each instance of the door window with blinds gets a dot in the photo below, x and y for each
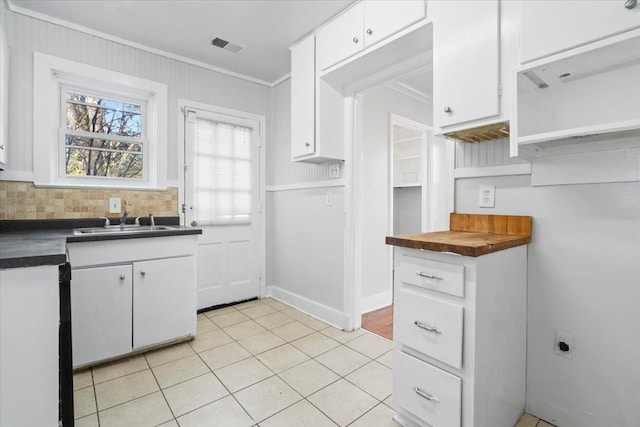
(223, 177)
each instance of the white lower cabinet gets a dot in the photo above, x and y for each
(131, 295)
(101, 313)
(162, 307)
(459, 338)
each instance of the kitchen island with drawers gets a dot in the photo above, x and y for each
(460, 323)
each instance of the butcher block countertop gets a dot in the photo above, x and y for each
(471, 235)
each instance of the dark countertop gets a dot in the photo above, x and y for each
(31, 243)
(471, 235)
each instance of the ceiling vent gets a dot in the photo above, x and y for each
(226, 45)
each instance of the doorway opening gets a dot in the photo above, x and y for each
(407, 148)
(403, 185)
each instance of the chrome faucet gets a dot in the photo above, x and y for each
(123, 220)
(106, 221)
(152, 220)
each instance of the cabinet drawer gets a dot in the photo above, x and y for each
(427, 392)
(430, 326)
(438, 276)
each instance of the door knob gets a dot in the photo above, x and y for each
(355, 40)
(369, 31)
(122, 277)
(143, 273)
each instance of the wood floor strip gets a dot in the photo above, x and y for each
(379, 322)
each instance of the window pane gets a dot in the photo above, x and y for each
(112, 164)
(223, 173)
(99, 115)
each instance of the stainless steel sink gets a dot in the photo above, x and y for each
(113, 229)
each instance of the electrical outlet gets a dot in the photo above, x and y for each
(564, 345)
(487, 196)
(334, 170)
(115, 205)
(328, 199)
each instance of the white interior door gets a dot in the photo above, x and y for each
(222, 196)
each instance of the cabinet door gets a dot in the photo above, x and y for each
(383, 18)
(466, 44)
(4, 96)
(100, 313)
(303, 86)
(552, 27)
(341, 38)
(164, 300)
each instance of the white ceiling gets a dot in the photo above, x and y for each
(185, 28)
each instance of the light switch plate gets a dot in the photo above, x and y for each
(115, 205)
(487, 196)
(328, 198)
(334, 170)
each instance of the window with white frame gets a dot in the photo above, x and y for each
(110, 127)
(102, 136)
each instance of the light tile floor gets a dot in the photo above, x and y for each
(259, 363)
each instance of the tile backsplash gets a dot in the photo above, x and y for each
(22, 200)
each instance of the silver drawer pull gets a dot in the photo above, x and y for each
(425, 395)
(428, 276)
(426, 327)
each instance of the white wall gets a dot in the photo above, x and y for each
(305, 237)
(377, 104)
(407, 210)
(26, 35)
(584, 280)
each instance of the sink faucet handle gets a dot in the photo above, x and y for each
(152, 220)
(106, 221)
(137, 222)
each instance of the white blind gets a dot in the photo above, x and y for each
(223, 173)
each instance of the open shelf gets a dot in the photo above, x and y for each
(579, 98)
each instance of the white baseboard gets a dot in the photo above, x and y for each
(322, 312)
(374, 302)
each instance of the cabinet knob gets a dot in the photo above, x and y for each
(447, 109)
(369, 31)
(194, 223)
(355, 40)
(306, 144)
(630, 4)
(143, 273)
(2, 147)
(122, 277)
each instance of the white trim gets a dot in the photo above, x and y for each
(281, 80)
(500, 170)
(61, 22)
(306, 185)
(9, 175)
(377, 301)
(320, 311)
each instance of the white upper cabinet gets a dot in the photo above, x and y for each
(364, 25)
(317, 109)
(383, 18)
(341, 38)
(466, 62)
(303, 83)
(552, 27)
